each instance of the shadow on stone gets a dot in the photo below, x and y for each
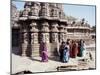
(23, 72)
(33, 59)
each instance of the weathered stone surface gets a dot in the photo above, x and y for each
(47, 22)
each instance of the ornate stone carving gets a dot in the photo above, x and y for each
(34, 38)
(54, 12)
(54, 37)
(35, 9)
(25, 12)
(62, 37)
(25, 38)
(48, 16)
(54, 27)
(54, 31)
(44, 9)
(45, 37)
(45, 27)
(34, 27)
(42, 37)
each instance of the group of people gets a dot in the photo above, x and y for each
(69, 49)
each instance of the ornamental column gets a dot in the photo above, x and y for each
(54, 32)
(25, 39)
(34, 39)
(45, 32)
(44, 35)
(54, 39)
(61, 34)
(65, 33)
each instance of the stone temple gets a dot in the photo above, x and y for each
(46, 22)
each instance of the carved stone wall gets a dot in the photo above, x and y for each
(46, 22)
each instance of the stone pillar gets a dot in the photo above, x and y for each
(45, 32)
(34, 33)
(25, 44)
(65, 33)
(54, 39)
(24, 39)
(54, 32)
(34, 39)
(62, 33)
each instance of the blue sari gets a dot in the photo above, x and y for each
(65, 55)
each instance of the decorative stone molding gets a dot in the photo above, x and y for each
(54, 27)
(44, 10)
(45, 27)
(54, 37)
(35, 9)
(25, 12)
(34, 27)
(34, 38)
(25, 38)
(45, 37)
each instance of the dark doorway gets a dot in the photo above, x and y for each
(15, 41)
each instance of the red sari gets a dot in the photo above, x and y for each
(74, 50)
(70, 50)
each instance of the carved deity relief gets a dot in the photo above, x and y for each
(54, 12)
(25, 38)
(45, 27)
(42, 37)
(54, 37)
(62, 37)
(34, 27)
(35, 11)
(47, 37)
(34, 38)
(44, 10)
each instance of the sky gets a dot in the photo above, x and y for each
(77, 11)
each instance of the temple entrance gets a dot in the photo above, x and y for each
(15, 41)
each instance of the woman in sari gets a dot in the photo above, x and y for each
(74, 49)
(66, 53)
(84, 49)
(44, 53)
(70, 47)
(61, 50)
(81, 48)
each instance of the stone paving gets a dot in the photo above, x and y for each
(35, 65)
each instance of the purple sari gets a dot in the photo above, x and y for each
(44, 54)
